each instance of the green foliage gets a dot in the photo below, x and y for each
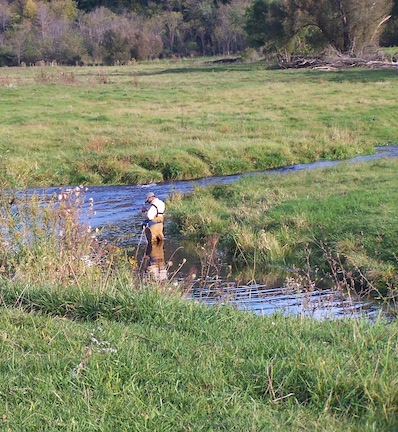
(264, 26)
(116, 48)
(186, 28)
(114, 32)
(389, 37)
(349, 27)
(64, 9)
(68, 49)
(6, 56)
(306, 27)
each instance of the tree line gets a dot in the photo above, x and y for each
(117, 31)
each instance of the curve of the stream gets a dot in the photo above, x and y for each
(118, 214)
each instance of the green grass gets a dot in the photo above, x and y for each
(151, 361)
(85, 346)
(390, 52)
(343, 216)
(162, 120)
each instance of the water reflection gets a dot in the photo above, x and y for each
(263, 300)
(154, 265)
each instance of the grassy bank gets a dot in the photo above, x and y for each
(341, 220)
(179, 120)
(85, 345)
(150, 361)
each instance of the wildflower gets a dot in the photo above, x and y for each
(110, 350)
(86, 259)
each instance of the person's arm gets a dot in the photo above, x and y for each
(152, 212)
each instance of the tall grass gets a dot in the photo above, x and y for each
(163, 120)
(48, 240)
(139, 360)
(340, 220)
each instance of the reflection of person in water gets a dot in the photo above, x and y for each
(155, 265)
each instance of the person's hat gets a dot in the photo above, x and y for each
(150, 195)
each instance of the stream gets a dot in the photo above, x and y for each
(118, 215)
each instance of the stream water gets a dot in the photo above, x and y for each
(118, 214)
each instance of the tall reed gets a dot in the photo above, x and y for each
(49, 240)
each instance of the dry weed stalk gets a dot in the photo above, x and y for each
(49, 239)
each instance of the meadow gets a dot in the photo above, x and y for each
(336, 224)
(186, 119)
(87, 345)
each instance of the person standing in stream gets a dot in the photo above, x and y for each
(153, 224)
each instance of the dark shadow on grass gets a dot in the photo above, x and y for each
(353, 75)
(209, 67)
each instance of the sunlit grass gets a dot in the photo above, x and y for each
(147, 361)
(238, 117)
(346, 212)
(86, 345)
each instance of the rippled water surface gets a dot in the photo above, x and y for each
(264, 300)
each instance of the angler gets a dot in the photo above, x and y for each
(153, 224)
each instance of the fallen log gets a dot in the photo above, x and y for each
(336, 63)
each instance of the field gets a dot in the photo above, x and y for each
(86, 345)
(187, 119)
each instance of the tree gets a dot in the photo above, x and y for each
(29, 9)
(389, 37)
(65, 9)
(6, 52)
(23, 10)
(54, 32)
(116, 47)
(350, 26)
(5, 15)
(201, 16)
(18, 38)
(93, 27)
(173, 28)
(68, 47)
(229, 33)
(148, 42)
(265, 25)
